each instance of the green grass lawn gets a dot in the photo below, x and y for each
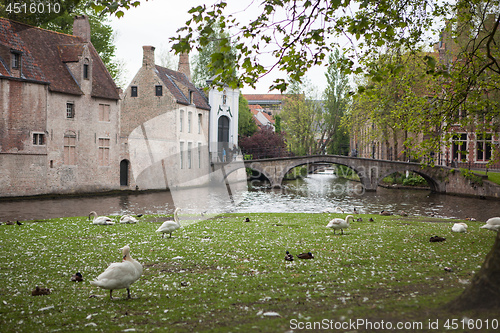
(492, 176)
(227, 275)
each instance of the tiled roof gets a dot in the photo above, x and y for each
(44, 57)
(264, 97)
(177, 82)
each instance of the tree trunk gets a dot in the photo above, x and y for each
(484, 290)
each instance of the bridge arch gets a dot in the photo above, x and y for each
(433, 184)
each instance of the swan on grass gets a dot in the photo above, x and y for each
(127, 219)
(101, 220)
(170, 226)
(120, 275)
(459, 227)
(338, 223)
(492, 224)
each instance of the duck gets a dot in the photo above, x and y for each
(307, 255)
(385, 213)
(354, 211)
(127, 219)
(403, 213)
(170, 226)
(492, 224)
(288, 256)
(371, 219)
(359, 219)
(40, 291)
(101, 220)
(9, 223)
(247, 219)
(459, 227)
(437, 239)
(120, 275)
(338, 223)
(77, 277)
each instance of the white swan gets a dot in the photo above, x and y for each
(459, 227)
(492, 224)
(102, 220)
(128, 219)
(170, 226)
(338, 223)
(120, 275)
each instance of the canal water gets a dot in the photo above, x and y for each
(312, 194)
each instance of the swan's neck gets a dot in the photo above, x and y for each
(176, 218)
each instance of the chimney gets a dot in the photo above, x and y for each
(184, 65)
(81, 27)
(148, 57)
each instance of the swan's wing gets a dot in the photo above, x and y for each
(167, 226)
(494, 221)
(118, 276)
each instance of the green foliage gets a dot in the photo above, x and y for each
(471, 176)
(223, 272)
(299, 117)
(246, 123)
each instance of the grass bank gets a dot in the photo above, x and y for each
(227, 275)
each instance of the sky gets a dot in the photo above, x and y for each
(155, 21)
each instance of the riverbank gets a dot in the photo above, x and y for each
(225, 274)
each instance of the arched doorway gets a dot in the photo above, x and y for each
(124, 166)
(223, 137)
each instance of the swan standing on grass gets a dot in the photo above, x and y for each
(338, 223)
(120, 275)
(170, 226)
(459, 227)
(492, 224)
(101, 220)
(128, 219)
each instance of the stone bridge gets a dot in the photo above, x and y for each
(441, 179)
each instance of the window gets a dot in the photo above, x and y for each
(190, 114)
(191, 97)
(199, 122)
(181, 120)
(104, 112)
(459, 147)
(16, 59)
(159, 90)
(70, 110)
(189, 157)
(181, 155)
(483, 147)
(133, 91)
(86, 71)
(199, 154)
(70, 149)
(104, 151)
(38, 139)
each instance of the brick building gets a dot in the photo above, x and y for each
(59, 125)
(164, 127)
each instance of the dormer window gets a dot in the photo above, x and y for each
(191, 97)
(16, 59)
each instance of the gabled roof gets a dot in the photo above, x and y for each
(178, 84)
(262, 118)
(44, 57)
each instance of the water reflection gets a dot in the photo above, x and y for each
(311, 195)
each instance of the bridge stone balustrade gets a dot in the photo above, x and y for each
(372, 171)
